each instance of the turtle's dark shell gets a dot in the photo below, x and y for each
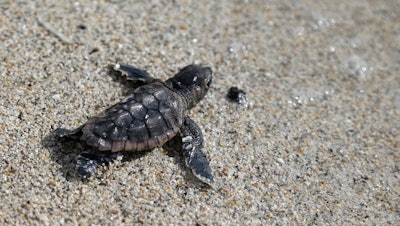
(147, 118)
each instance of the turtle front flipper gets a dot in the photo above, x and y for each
(88, 163)
(134, 74)
(192, 142)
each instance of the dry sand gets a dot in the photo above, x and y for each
(317, 142)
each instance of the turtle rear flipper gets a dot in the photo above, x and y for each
(88, 163)
(61, 132)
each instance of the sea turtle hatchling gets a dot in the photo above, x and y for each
(153, 114)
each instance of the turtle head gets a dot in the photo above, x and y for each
(193, 81)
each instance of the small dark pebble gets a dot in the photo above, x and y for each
(236, 94)
(82, 27)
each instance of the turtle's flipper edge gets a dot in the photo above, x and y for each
(88, 163)
(61, 132)
(134, 73)
(195, 159)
